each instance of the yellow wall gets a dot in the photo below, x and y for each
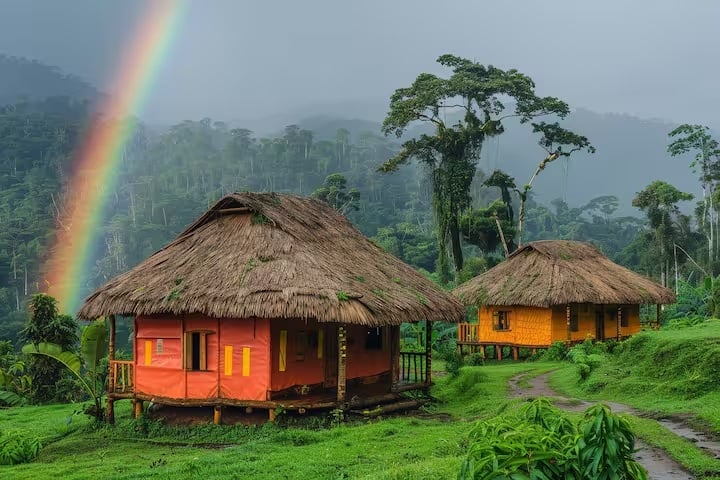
(586, 321)
(528, 326)
(533, 326)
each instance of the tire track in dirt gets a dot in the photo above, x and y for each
(655, 460)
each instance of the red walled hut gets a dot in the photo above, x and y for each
(269, 300)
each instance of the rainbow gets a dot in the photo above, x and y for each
(96, 162)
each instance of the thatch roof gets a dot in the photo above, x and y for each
(558, 272)
(275, 256)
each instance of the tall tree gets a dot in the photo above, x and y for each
(557, 142)
(695, 138)
(659, 202)
(451, 152)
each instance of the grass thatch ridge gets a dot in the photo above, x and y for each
(558, 272)
(274, 256)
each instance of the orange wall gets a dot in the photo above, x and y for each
(162, 373)
(362, 362)
(311, 369)
(528, 326)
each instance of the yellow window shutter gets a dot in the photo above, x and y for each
(228, 360)
(282, 359)
(187, 351)
(246, 362)
(148, 352)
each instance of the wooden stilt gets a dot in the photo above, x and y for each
(516, 353)
(137, 408)
(428, 352)
(619, 323)
(482, 351)
(342, 364)
(498, 351)
(394, 357)
(110, 413)
(271, 415)
(658, 315)
(217, 415)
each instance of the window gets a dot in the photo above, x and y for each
(574, 324)
(625, 318)
(374, 339)
(501, 320)
(159, 345)
(195, 351)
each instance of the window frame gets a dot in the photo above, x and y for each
(189, 353)
(501, 320)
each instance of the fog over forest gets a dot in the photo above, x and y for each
(282, 96)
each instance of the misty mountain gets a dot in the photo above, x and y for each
(23, 79)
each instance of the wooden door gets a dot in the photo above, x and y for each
(600, 323)
(330, 355)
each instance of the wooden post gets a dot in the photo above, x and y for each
(137, 408)
(394, 357)
(217, 415)
(569, 330)
(516, 353)
(498, 351)
(342, 359)
(428, 352)
(658, 316)
(482, 351)
(619, 323)
(110, 413)
(271, 414)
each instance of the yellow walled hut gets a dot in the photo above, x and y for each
(555, 290)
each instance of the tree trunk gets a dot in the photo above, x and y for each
(455, 244)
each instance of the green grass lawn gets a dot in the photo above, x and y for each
(430, 445)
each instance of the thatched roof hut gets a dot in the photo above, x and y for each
(559, 272)
(267, 255)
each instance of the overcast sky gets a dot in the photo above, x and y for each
(236, 59)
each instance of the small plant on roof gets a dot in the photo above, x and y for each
(397, 280)
(360, 279)
(343, 296)
(250, 264)
(379, 293)
(259, 219)
(421, 298)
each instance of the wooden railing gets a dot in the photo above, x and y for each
(413, 368)
(122, 376)
(468, 333)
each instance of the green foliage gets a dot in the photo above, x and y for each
(46, 326)
(342, 296)
(334, 192)
(557, 351)
(17, 448)
(93, 349)
(542, 443)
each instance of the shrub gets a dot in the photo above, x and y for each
(475, 359)
(15, 448)
(557, 351)
(542, 443)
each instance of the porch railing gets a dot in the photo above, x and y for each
(468, 333)
(413, 368)
(122, 376)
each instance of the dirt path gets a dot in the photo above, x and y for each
(655, 460)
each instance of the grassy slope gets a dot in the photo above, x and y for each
(667, 371)
(394, 448)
